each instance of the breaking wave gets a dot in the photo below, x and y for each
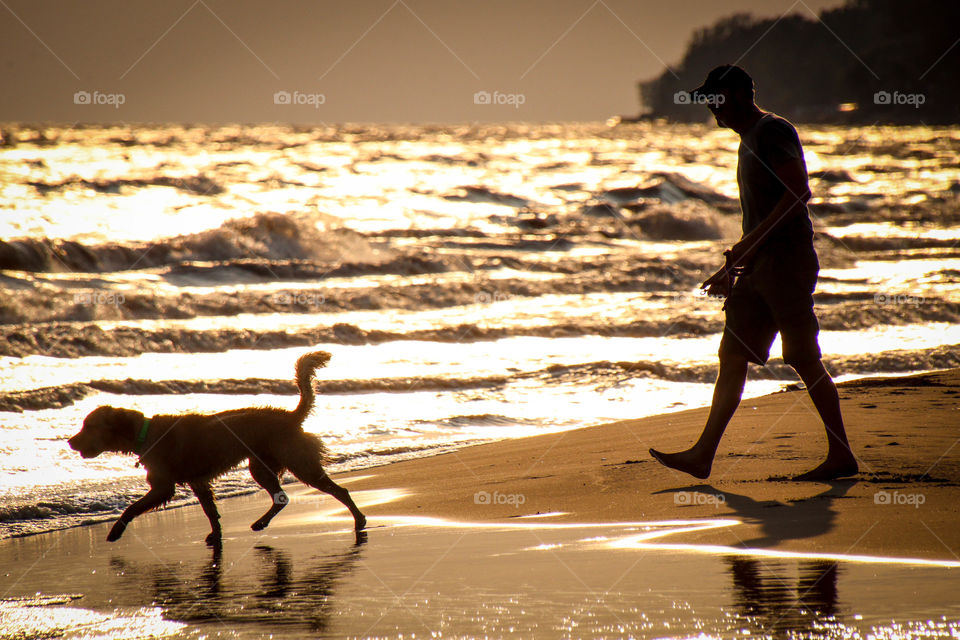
(268, 236)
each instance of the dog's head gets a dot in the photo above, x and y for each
(106, 429)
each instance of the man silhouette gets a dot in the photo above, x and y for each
(768, 278)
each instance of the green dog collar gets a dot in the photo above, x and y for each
(142, 436)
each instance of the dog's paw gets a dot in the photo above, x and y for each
(116, 532)
(260, 525)
(359, 524)
(213, 539)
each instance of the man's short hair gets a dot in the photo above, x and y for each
(726, 76)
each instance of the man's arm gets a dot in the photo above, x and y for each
(793, 175)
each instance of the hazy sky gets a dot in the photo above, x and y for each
(346, 61)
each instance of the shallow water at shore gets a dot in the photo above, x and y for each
(531, 577)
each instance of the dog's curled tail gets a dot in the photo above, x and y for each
(306, 365)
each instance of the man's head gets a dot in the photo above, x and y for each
(728, 92)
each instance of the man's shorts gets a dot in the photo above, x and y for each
(776, 296)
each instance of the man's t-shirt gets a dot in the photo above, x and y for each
(769, 143)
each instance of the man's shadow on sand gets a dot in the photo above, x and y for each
(270, 593)
(778, 521)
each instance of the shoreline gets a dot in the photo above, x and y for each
(709, 498)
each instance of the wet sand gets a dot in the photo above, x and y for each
(577, 534)
(905, 431)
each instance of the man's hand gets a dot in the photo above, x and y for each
(719, 284)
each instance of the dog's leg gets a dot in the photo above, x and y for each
(205, 495)
(157, 495)
(268, 479)
(319, 479)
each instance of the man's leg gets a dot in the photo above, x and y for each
(840, 461)
(727, 391)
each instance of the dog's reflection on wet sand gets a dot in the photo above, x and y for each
(276, 591)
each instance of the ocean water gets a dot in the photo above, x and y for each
(472, 282)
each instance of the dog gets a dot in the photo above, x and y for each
(194, 449)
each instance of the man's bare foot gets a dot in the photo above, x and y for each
(684, 461)
(833, 468)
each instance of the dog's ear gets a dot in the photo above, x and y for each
(125, 419)
(117, 419)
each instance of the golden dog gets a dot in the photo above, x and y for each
(194, 449)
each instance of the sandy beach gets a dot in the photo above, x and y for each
(904, 431)
(576, 534)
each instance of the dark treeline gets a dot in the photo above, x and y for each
(897, 61)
